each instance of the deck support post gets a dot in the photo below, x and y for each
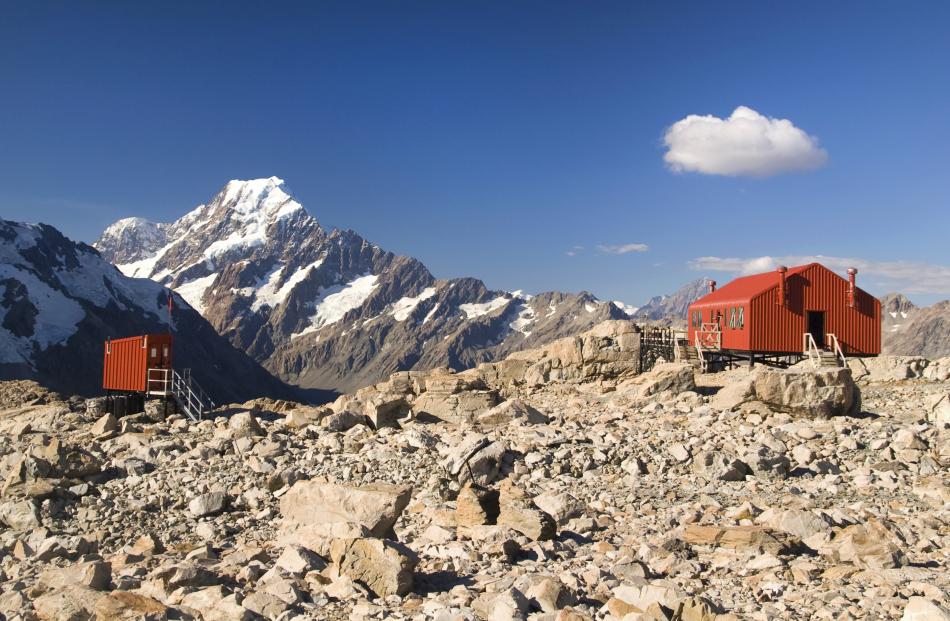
(751, 359)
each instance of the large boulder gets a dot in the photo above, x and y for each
(870, 545)
(128, 606)
(208, 504)
(71, 603)
(814, 393)
(511, 410)
(384, 567)
(923, 609)
(458, 407)
(675, 377)
(20, 515)
(938, 370)
(245, 425)
(720, 466)
(609, 350)
(475, 456)
(518, 512)
(385, 409)
(744, 539)
(71, 462)
(376, 506)
(938, 410)
(95, 575)
(888, 368)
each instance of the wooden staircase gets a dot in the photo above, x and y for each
(686, 353)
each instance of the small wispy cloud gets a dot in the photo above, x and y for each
(912, 277)
(574, 251)
(744, 144)
(623, 248)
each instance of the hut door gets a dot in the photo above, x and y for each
(816, 327)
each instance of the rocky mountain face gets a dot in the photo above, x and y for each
(59, 301)
(896, 312)
(328, 309)
(672, 309)
(497, 493)
(910, 330)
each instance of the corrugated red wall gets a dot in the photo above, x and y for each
(732, 338)
(126, 361)
(779, 329)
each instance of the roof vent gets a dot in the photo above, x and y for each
(782, 294)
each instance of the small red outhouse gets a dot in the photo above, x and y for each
(775, 312)
(126, 361)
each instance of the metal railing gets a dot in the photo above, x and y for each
(810, 349)
(835, 346)
(189, 396)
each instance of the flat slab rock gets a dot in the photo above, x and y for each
(376, 506)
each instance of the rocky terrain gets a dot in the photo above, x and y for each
(60, 301)
(558, 484)
(328, 309)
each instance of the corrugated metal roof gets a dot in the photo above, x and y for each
(747, 287)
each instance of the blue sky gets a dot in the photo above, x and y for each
(522, 143)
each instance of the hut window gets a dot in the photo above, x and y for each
(732, 317)
(154, 353)
(740, 320)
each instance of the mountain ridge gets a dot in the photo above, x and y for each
(329, 309)
(60, 300)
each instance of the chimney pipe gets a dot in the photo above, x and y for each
(852, 272)
(781, 269)
(712, 286)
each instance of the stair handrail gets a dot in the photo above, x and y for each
(191, 398)
(699, 352)
(836, 347)
(809, 347)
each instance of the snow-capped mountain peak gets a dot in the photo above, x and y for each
(250, 197)
(330, 309)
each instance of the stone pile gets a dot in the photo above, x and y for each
(580, 490)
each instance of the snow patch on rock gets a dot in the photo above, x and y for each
(477, 310)
(403, 307)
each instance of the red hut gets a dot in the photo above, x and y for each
(139, 367)
(126, 361)
(800, 311)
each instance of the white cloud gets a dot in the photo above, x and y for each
(623, 248)
(745, 144)
(574, 251)
(911, 277)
